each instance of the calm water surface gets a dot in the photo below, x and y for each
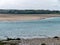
(32, 28)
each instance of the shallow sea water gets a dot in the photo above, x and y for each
(48, 27)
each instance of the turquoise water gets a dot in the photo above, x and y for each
(33, 28)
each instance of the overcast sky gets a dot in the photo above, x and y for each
(30, 4)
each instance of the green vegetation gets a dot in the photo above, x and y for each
(1, 43)
(2, 11)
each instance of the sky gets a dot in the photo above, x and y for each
(30, 4)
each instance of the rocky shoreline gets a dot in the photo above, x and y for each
(35, 41)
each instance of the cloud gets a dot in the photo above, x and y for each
(30, 4)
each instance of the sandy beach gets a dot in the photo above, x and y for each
(23, 17)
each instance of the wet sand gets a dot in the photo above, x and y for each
(23, 17)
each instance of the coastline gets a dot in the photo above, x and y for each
(25, 17)
(34, 40)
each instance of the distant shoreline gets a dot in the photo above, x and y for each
(24, 17)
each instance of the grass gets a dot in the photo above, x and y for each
(1, 43)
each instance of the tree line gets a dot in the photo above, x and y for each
(2, 11)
